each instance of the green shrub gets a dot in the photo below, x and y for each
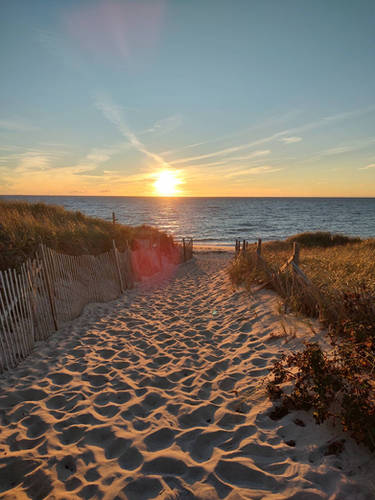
(321, 239)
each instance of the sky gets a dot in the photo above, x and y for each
(187, 97)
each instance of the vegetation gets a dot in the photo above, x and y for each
(336, 386)
(338, 266)
(342, 295)
(23, 226)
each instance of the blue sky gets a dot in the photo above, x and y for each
(236, 98)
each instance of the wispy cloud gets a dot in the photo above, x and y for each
(266, 124)
(338, 150)
(31, 160)
(346, 148)
(254, 154)
(253, 159)
(165, 125)
(350, 114)
(228, 151)
(88, 164)
(17, 125)
(265, 169)
(114, 115)
(290, 140)
(287, 136)
(367, 167)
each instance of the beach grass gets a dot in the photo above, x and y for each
(342, 294)
(23, 226)
(336, 265)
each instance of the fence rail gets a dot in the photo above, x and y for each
(53, 288)
(275, 276)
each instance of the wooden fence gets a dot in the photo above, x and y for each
(187, 249)
(293, 260)
(53, 288)
(297, 282)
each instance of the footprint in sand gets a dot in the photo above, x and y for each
(153, 397)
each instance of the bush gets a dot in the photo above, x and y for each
(321, 239)
(327, 384)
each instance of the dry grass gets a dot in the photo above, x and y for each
(336, 266)
(342, 294)
(24, 225)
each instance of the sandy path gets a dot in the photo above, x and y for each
(141, 398)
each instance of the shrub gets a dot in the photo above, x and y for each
(327, 384)
(321, 239)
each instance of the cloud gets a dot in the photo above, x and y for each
(33, 162)
(290, 140)
(277, 136)
(271, 121)
(88, 165)
(114, 115)
(265, 169)
(372, 165)
(254, 154)
(165, 125)
(350, 114)
(227, 151)
(17, 125)
(346, 148)
(47, 161)
(300, 128)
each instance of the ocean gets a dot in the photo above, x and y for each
(219, 221)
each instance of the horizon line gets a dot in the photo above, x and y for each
(184, 196)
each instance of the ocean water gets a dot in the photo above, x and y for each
(219, 221)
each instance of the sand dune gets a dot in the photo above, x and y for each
(160, 394)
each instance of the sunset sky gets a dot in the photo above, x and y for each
(187, 97)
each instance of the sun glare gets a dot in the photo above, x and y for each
(166, 183)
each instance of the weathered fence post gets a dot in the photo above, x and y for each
(49, 287)
(296, 253)
(259, 247)
(114, 220)
(184, 248)
(118, 266)
(244, 247)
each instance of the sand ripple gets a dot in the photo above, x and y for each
(159, 395)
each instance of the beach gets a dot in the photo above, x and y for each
(161, 394)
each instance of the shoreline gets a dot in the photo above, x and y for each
(212, 248)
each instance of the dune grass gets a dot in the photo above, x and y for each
(342, 295)
(336, 265)
(23, 226)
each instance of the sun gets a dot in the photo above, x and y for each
(166, 183)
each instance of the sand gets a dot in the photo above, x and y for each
(160, 394)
